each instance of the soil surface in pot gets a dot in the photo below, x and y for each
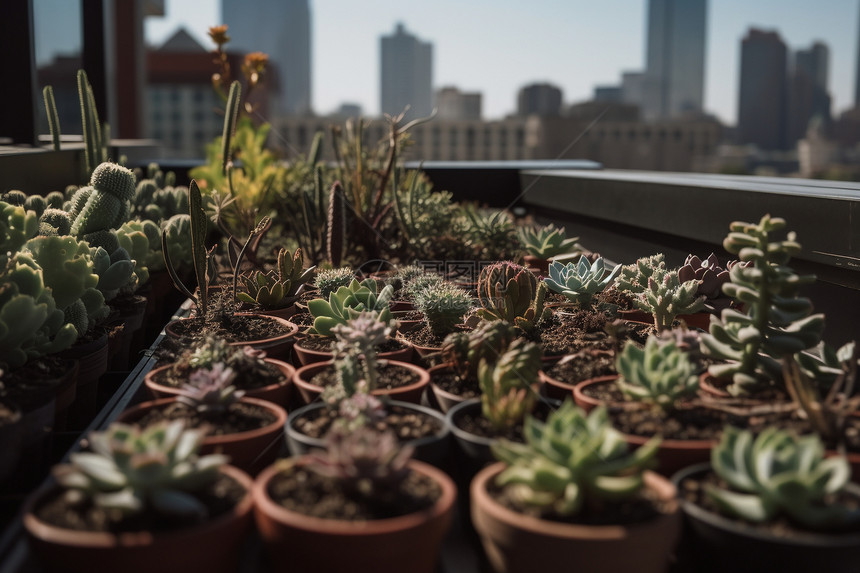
(220, 497)
(303, 319)
(451, 382)
(246, 379)
(692, 489)
(407, 424)
(579, 367)
(474, 423)
(233, 328)
(34, 383)
(239, 417)
(388, 376)
(304, 491)
(325, 344)
(423, 336)
(639, 509)
(579, 329)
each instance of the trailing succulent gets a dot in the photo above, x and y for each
(131, 470)
(570, 461)
(510, 292)
(546, 242)
(579, 282)
(778, 321)
(658, 374)
(443, 305)
(347, 302)
(776, 474)
(279, 289)
(509, 385)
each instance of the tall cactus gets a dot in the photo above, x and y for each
(95, 152)
(231, 113)
(53, 118)
(335, 225)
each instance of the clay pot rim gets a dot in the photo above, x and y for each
(725, 524)
(459, 432)
(294, 328)
(280, 420)
(329, 354)
(437, 389)
(418, 348)
(97, 539)
(444, 505)
(664, 487)
(288, 370)
(424, 378)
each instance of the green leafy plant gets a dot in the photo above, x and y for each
(17, 226)
(546, 242)
(444, 306)
(666, 297)
(778, 473)
(510, 292)
(348, 302)
(579, 282)
(570, 461)
(778, 321)
(509, 385)
(132, 469)
(273, 290)
(658, 374)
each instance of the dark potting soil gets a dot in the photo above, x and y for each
(578, 329)
(473, 422)
(239, 417)
(388, 376)
(451, 382)
(692, 489)
(636, 510)
(576, 368)
(413, 314)
(34, 384)
(325, 343)
(231, 327)
(304, 491)
(219, 498)
(423, 336)
(303, 319)
(265, 375)
(406, 424)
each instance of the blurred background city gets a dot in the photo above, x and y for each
(766, 87)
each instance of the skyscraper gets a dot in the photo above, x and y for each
(807, 91)
(282, 29)
(539, 99)
(675, 60)
(762, 103)
(407, 74)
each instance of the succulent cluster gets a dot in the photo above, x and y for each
(658, 374)
(443, 305)
(210, 391)
(17, 226)
(418, 283)
(571, 460)
(329, 280)
(347, 302)
(659, 291)
(633, 278)
(509, 384)
(546, 242)
(580, 281)
(778, 321)
(709, 273)
(778, 473)
(272, 290)
(132, 469)
(510, 292)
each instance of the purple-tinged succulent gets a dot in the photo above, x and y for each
(210, 390)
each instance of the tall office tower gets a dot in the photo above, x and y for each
(539, 99)
(282, 29)
(675, 59)
(807, 91)
(857, 76)
(762, 102)
(451, 103)
(407, 74)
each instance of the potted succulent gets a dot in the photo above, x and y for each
(141, 500)
(510, 292)
(444, 306)
(360, 504)
(775, 500)
(560, 495)
(579, 282)
(544, 243)
(275, 293)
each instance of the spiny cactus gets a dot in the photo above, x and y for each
(546, 242)
(659, 374)
(572, 460)
(777, 473)
(778, 322)
(14, 197)
(279, 289)
(104, 204)
(486, 343)
(444, 306)
(36, 203)
(329, 280)
(55, 200)
(510, 292)
(132, 469)
(348, 302)
(509, 385)
(55, 222)
(336, 225)
(579, 282)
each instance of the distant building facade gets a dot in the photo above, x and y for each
(451, 103)
(282, 29)
(808, 97)
(539, 99)
(674, 77)
(762, 100)
(407, 74)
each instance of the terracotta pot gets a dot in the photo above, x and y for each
(714, 543)
(275, 347)
(411, 393)
(212, 547)
(445, 399)
(585, 401)
(675, 455)
(514, 542)
(541, 265)
(278, 393)
(93, 363)
(250, 451)
(431, 449)
(406, 325)
(309, 356)
(284, 313)
(401, 305)
(410, 543)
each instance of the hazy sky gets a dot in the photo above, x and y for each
(496, 46)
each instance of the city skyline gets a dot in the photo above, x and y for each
(552, 39)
